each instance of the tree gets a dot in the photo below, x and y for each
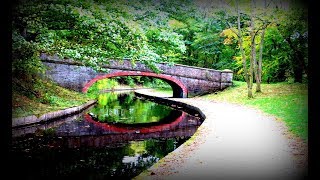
(295, 34)
(252, 22)
(253, 60)
(223, 35)
(258, 69)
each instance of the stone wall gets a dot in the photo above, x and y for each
(73, 75)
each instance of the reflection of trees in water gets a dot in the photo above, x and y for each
(81, 148)
(176, 124)
(91, 156)
(121, 160)
(127, 109)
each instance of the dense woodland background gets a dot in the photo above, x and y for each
(259, 40)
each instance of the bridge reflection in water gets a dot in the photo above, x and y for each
(80, 145)
(73, 132)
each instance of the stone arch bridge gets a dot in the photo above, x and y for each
(186, 81)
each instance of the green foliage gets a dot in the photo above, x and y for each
(285, 49)
(25, 59)
(104, 84)
(184, 31)
(130, 81)
(294, 30)
(168, 45)
(158, 83)
(127, 109)
(134, 81)
(49, 132)
(93, 32)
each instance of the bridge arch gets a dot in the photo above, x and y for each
(178, 88)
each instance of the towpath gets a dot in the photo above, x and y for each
(234, 142)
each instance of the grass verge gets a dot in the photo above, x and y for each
(41, 96)
(286, 101)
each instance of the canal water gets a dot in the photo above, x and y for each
(118, 137)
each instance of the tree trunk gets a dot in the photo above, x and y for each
(253, 59)
(244, 59)
(259, 70)
(24, 32)
(297, 63)
(250, 95)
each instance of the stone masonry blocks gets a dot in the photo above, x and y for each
(73, 75)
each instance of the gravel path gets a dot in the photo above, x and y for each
(234, 142)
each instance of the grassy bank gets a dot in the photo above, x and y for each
(40, 97)
(287, 102)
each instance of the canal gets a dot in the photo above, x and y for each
(118, 137)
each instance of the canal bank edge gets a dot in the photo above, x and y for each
(32, 119)
(192, 110)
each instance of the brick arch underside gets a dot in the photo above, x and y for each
(178, 88)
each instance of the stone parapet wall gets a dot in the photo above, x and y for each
(175, 70)
(74, 75)
(69, 76)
